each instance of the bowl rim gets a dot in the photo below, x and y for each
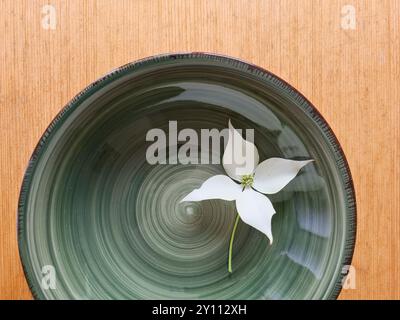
(246, 67)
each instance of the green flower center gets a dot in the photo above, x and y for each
(247, 180)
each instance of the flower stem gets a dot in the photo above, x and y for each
(231, 243)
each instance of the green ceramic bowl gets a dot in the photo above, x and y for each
(97, 221)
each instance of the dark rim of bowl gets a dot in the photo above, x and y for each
(246, 67)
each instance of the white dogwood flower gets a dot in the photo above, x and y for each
(247, 181)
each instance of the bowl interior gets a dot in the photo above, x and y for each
(112, 225)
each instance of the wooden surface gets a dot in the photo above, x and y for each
(352, 76)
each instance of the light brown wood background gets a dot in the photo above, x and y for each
(352, 76)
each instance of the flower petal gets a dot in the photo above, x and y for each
(216, 187)
(240, 156)
(256, 210)
(273, 174)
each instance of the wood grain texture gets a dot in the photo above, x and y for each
(352, 76)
